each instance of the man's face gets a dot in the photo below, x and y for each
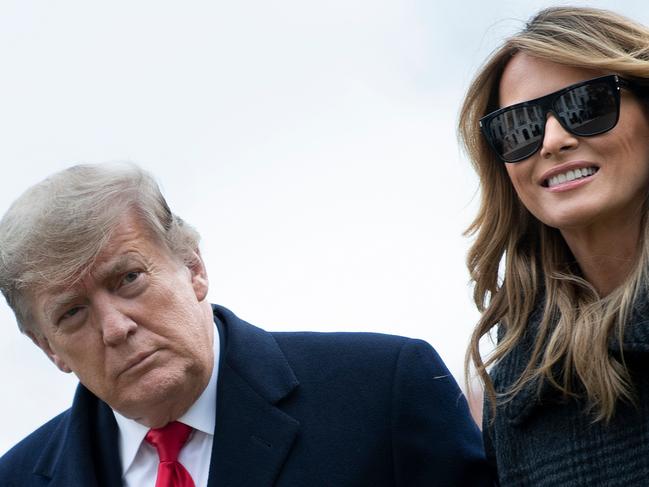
(137, 330)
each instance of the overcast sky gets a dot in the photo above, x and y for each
(312, 144)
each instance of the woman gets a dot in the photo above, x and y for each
(556, 124)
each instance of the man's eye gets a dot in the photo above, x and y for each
(71, 312)
(130, 277)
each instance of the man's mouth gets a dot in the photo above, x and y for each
(136, 360)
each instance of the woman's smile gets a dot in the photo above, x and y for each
(566, 178)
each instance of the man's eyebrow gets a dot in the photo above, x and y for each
(118, 266)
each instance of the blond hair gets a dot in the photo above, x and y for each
(539, 269)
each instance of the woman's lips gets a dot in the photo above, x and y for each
(568, 175)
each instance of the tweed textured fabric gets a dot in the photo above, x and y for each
(543, 439)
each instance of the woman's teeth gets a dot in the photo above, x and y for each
(571, 176)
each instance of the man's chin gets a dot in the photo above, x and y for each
(157, 397)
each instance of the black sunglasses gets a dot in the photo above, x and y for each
(584, 109)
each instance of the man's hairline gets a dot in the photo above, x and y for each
(30, 298)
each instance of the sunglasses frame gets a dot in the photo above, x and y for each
(546, 103)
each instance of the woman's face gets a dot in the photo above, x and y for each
(617, 159)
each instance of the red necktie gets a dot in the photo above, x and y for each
(168, 441)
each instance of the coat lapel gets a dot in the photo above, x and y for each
(636, 332)
(107, 460)
(82, 451)
(253, 437)
(635, 338)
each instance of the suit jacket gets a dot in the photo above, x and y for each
(293, 409)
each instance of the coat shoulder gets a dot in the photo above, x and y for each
(17, 465)
(382, 365)
(349, 350)
(357, 340)
(398, 388)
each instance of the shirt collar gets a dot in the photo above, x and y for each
(201, 416)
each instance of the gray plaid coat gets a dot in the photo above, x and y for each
(547, 440)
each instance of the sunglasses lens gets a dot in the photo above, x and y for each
(517, 133)
(588, 109)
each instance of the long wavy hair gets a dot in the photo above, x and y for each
(516, 260)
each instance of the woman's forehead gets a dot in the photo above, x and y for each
(526, 77)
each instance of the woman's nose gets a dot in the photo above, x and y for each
(556, 139)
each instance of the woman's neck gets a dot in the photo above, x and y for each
(606, 253)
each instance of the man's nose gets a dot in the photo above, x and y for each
(556, 139)
(114, 323)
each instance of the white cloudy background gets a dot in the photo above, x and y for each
(312, 143)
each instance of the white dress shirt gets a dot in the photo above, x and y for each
(140, 459)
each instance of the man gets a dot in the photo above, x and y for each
(111, 286)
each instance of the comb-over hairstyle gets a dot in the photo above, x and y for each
(54, 231)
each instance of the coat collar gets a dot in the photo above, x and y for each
(636, 332)
(253, 436)
(82, 450)
(635, 338)
(522, 405)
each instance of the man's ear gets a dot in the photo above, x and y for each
(41, 342)
(200, 282)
